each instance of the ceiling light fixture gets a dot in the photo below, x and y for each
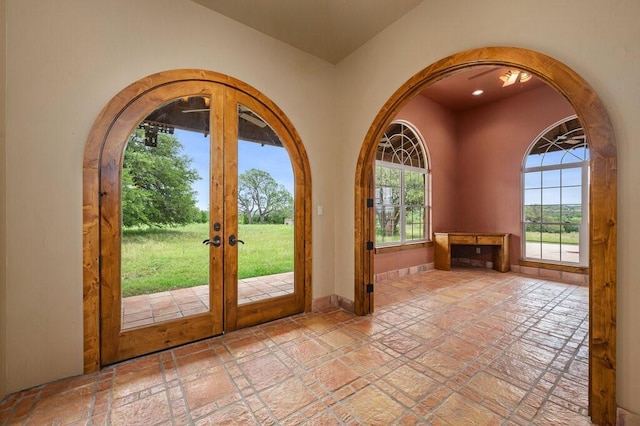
(477, 92)
(512, 76)
(509, 78)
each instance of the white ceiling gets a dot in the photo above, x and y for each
(328, 29)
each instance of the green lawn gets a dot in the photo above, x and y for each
(156, 260)
(552, 237)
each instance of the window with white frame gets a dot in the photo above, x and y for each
(402, 187)
(556, 196)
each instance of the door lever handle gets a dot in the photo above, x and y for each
(233, 240)
(215, 242)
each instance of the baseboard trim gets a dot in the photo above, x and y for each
(627, 418)
(332, 301)
(322, 303)
(551, 274)
(397, 273)
(348, 305)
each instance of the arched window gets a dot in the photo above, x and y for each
(402, 186)
(555, 196)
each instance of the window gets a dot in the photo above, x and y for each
(555, 196)
(402, 187)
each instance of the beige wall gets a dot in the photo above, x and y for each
(604, 50)
(67, 58)
(3, 281)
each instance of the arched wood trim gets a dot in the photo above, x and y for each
(602, 201)
(94, 147)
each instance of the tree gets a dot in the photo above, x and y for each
(399, 190)
(157, 183)
(259, 195)
(388, 200)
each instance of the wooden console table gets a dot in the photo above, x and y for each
(499, 243)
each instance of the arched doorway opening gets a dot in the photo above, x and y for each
(144, 116)
(602, 201)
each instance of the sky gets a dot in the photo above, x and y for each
(550, 187)
(270, 159)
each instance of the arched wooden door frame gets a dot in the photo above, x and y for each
(602, 201)
(98, 136)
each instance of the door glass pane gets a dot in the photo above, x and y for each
(165, 215)
(550, 197)
(415, 220)
(551, 242)
(552, 158)
(265, 212)
(532, 180)
(572, 177)
(414, 184)
(551, 178)
(533, 241)
(387, 224)
(570, 235)
(532, 197)
(388, 192)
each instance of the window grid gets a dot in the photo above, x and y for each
(555, 190)
(402, 210)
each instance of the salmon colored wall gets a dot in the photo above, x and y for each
(437, 126)
(492, 141)
(476, 159)
(385, 262)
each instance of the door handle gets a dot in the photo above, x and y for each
(215, 242)
(233, 240)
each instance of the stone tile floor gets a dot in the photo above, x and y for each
(466, 347)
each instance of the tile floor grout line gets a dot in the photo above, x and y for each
(180, 385)
(460, 331)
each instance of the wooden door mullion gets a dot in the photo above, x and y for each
(230, 208)
(216, 208)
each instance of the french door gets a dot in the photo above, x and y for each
(179, 260)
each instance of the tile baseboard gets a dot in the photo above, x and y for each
(332, 301)
(627, 418)
(561, 276)
(396, 273)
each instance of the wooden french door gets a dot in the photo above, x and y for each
(243, 116)
(172, 115)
